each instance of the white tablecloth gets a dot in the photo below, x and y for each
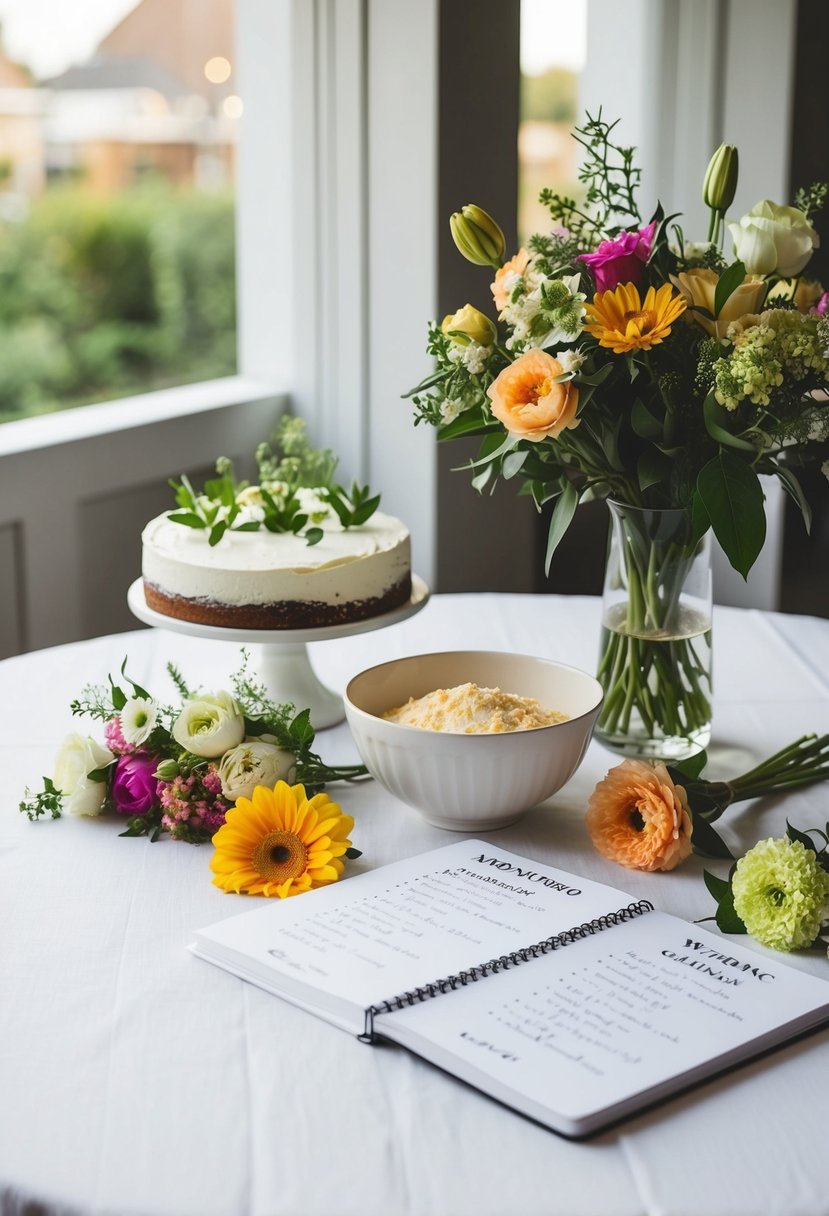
(136, 1079)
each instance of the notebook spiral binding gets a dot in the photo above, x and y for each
(502, 963)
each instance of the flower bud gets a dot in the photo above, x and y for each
(477, 236)
(167, 770)
(720, 182)
(467, 325)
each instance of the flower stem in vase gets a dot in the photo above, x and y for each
(655, 648)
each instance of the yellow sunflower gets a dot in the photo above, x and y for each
(280, 842)
(622, 321)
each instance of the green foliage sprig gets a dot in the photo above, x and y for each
(295, 466)
(611, 179)
(48, 800)
(354, 508)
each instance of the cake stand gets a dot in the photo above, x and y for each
(282, 661)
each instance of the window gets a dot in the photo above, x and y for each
(118, 129)
(553, 55)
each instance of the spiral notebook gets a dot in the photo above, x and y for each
(560, 997)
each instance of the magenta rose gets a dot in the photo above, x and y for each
(134, 785)
(621, 260)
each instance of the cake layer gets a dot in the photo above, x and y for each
(265, 580)
(287, 614)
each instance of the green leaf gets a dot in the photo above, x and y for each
(643, 422)
(252, 525)
(365, 510)
(256, 727)
(99, 774)
(187, 518)
(728, 283)
(468, 423)
(480, 480)
(700, 523)
(512, 464)
(119, 697)
(313, 536)
(353, 854)
(793, 487)
(803, 837)
(137, 690)
(217, 532)
(727, 919)
(652, 467)
(733, 499)
(507, 444)
(560, 521)
(718, 887)
(707, 842)
(715, 417)
(301, 730)
(689, 769)
(336, 499)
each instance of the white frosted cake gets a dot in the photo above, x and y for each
(267, 580)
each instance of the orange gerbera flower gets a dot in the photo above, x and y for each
(638, 818)
(622, 321)
(280, 842)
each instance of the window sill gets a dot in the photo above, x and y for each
(129, 413)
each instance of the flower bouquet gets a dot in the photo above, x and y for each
(631, 364)
(182, 769)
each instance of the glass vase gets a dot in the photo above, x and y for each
(655, 648)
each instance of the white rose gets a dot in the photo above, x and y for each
(773, 239)
(209, 726)
(253, 763)
(77, 757)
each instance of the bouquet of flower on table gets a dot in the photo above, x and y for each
(629, 363)
(235, 768)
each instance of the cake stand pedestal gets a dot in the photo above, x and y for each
(281, 655)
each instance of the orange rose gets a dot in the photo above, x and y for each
(506, 278)
(638, 818)
(529, 400)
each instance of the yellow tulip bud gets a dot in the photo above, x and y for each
(477, 236)
(467, 325)
(720, 183)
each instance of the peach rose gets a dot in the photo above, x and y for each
(506, 277)
(638, 818)
(529, 400)
(699, 288)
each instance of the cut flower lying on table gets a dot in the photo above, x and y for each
(217, 765)
(647, 815)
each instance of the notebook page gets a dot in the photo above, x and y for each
(612, 1017)
(368, 938)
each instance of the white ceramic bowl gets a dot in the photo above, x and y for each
(472, 783)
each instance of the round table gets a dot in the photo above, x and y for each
(135, 1079)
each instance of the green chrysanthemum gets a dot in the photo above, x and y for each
(780, 893)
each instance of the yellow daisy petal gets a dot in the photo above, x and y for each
(279, 842)
(622, 322)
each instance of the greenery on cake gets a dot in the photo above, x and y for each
(296, 492)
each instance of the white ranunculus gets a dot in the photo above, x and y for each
(771, 239)
(210, 725)
(254, 763)
(137, 718)
(77, 757)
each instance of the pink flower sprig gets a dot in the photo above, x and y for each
(193, 808)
